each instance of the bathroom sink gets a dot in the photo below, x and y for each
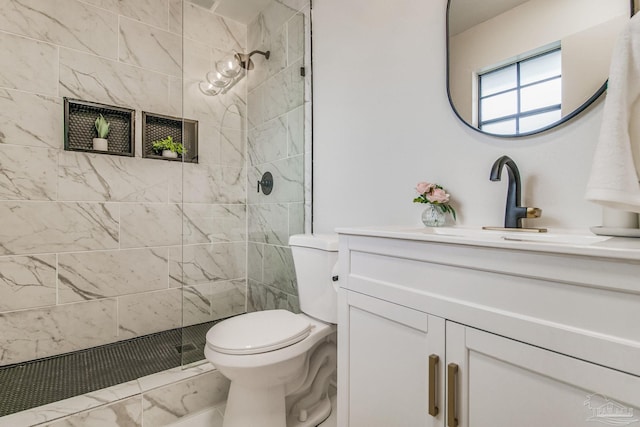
(563, 238)
(567, 239)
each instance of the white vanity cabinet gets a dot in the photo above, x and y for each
(492, 335)
(503, 382)
(388, 364)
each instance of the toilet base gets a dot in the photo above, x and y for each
(318, 414)
(267, 407)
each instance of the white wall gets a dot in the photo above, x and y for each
(382, 122)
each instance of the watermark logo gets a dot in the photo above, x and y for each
(607, 411)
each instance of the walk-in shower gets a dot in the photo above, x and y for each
(114, 264)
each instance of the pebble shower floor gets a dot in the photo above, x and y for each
(38, 382)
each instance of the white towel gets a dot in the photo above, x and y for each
(615, 173)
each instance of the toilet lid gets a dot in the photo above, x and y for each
(258, 332)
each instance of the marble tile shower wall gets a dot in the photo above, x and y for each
(278, 102)
(95, 248)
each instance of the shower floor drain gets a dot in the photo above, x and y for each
(38, 382)
(185, 348)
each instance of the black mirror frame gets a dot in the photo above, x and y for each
(562, 121)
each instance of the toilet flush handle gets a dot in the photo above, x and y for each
(335, 277)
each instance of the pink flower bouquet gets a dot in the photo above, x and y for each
(436, 195)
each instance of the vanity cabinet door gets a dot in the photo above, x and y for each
(504, 383)
(388, 365)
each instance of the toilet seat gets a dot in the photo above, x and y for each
(258, 332)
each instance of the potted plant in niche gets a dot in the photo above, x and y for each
(102, 128)
(168, 147)
(437, 204)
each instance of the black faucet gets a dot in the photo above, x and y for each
(514, 212)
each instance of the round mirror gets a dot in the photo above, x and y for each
(520, 67)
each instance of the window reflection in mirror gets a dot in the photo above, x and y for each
(517, 67)
(522, 96)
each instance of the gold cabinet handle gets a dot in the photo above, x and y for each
(433, 372)
(452, 379)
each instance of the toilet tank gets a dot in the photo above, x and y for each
(314, 258)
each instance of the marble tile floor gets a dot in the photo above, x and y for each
(213, 417)
(38, 382)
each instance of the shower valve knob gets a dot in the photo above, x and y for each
(266, 183)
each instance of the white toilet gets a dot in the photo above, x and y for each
(280, 363)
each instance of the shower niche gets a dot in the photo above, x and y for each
(80, 129)
(157, 127)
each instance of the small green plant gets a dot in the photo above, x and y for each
(168, 144)
(102, 126)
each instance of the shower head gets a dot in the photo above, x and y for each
(245, 58)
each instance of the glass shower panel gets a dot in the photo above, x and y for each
(89, 237)
(212, 259)
(279, 141)
(234, 256)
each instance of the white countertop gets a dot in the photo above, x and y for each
(561, 241)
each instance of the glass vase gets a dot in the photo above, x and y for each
(432, 216)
